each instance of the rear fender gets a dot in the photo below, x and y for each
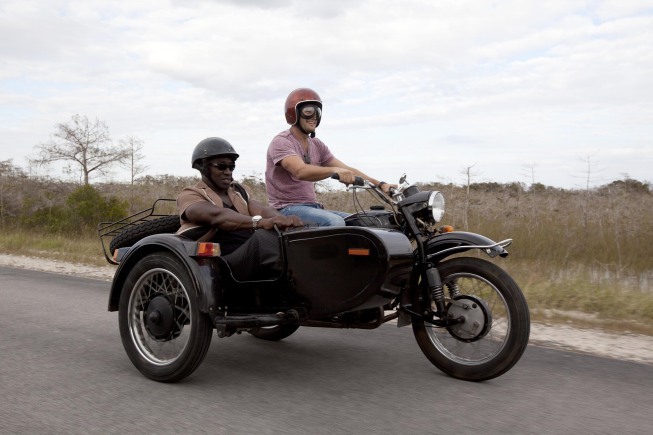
(204, 271)
(446, 244)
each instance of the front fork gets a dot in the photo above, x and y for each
(435, 290)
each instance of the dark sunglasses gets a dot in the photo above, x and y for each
(223, 166)
(307, 112)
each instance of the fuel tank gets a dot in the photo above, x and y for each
(340, 269)
(373, 218)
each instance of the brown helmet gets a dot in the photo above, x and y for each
(297, 97)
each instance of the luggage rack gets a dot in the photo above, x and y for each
(108, 230)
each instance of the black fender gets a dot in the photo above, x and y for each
(446, 244)
(438, 248)
(204, 271)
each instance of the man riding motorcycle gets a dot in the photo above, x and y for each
(296, 159)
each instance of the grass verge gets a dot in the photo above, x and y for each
(79, 248)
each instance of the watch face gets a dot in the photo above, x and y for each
(255, 220)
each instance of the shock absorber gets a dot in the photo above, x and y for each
(435, 289)
(453, 288)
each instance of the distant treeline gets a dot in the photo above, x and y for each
(608, 227)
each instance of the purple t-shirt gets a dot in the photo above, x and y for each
(283, 189)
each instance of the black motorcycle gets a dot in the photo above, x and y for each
(390, 263)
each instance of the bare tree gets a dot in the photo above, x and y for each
(588, 178)
(531, 174)
(467, 172)
(85, 143)
(133, 145)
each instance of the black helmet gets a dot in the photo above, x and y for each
(212, 147)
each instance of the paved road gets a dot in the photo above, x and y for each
(63, 370)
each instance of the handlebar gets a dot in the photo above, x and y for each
(358, 181)
(386, 197)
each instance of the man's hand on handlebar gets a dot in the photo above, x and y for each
(387, 188)
(345, 176)
(358, 181)
(354, 179)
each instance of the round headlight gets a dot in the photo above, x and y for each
(436, 205)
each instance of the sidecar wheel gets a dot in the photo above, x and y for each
(164, 334)
(497, 326)
(274, 333)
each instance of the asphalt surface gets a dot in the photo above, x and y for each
(63, 370)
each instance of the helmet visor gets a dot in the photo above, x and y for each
(310, 110)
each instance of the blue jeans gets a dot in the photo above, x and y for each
(314, 214)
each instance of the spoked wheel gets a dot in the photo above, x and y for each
(274, 333)
(495, 323)
(164, 334)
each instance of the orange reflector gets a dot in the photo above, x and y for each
(359, 251)
(207, 249)
(447, 229)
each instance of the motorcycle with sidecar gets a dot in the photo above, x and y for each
(390, 263)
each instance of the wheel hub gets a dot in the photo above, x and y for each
(474, 318)
(160, 318)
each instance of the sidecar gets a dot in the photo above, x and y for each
(171, 292)
(327, 271)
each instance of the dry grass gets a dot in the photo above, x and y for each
(79, 249)
(606, 302)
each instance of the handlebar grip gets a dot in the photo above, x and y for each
(358, 181)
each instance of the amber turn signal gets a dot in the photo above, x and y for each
(206, 249)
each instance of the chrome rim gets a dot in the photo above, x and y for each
(486, 348)
(159, 315)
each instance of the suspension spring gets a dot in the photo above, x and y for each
(453, 288)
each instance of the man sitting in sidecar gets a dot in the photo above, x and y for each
(219, 210)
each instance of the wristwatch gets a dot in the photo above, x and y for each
(255, 221)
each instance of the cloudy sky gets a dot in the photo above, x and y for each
(558, 92)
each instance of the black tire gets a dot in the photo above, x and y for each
(132, 234)
(162, 329)
(501, 340)
(274, 333)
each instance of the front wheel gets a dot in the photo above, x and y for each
(162, 329)
(496, 326)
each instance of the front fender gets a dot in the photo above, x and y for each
(203, 272)
(446, 244)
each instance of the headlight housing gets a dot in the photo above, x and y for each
(436, 206)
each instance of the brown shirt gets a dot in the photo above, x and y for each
(202, 192)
